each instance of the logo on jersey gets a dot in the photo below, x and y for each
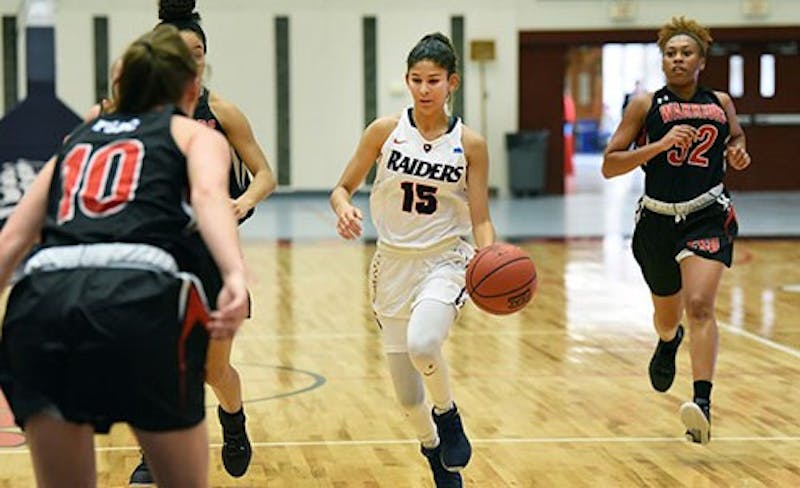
(710, 245)
(673, 111)
(458, 150)
(424, 169)
(427, 147)
(115, 126)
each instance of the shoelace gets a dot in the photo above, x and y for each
(234, 443)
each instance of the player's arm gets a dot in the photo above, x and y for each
(618, 159)
(369, 147)
(208, 165)
(478, 187)
(25, 224)
(736, 150)
(241, 137)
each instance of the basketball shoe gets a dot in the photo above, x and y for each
(141, 474)
(455, 447)
(662, 364)
(236, 450)
(442, 478)
(696, 416)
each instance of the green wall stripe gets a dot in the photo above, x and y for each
(101, 60)
(282, 100)
(369, 28)
(457, 36)
(10, 66)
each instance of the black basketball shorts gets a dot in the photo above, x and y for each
(101, 345)
(659, 241)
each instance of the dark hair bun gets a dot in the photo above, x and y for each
(172, 10)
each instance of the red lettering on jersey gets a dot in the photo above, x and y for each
(85, 179)
(674, 111)
(706, 136)
(128, 154)
(71, 174)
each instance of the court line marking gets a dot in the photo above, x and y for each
(526, 440)
(759, 339)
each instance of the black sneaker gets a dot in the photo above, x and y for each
(662, 364)
(442, 478)
(141, 474)
(455, 447)
(696, 416)
(236, 450)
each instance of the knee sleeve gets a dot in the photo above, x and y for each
(427, 330)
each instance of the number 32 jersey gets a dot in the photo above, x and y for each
(419, 197)
(677, 174)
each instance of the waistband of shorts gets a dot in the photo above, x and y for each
(108, 255)
(683, 208)
(436, 248)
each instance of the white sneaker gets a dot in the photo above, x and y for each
(696, 420)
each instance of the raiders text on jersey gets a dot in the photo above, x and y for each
(424, 169)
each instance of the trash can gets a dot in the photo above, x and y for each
(527, 160)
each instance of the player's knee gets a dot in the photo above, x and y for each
(699, 310)
(425, 354)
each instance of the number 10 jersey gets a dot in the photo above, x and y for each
(122, 178)
(419, 196)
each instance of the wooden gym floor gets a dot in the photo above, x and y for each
(556, 395)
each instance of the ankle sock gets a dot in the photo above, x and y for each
(231, 421)
(702, 391)
(672, 344)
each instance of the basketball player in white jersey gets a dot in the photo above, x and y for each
(422, 208)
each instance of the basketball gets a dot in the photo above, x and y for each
(501, 279)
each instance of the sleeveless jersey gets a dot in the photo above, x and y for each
(122, 178)
(419, 195)
(678, 175)
(239, 179)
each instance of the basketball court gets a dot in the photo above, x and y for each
(555, 395)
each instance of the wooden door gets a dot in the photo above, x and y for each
(771, 120)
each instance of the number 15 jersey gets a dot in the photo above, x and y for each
(419, 197)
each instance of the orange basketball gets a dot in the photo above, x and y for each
(501, 278)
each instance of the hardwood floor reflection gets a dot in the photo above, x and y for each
(556, 395)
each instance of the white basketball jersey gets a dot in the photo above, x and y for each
(419, 196)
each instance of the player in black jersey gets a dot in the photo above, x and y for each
(246, 158)
(686, 224)
(116, 213)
